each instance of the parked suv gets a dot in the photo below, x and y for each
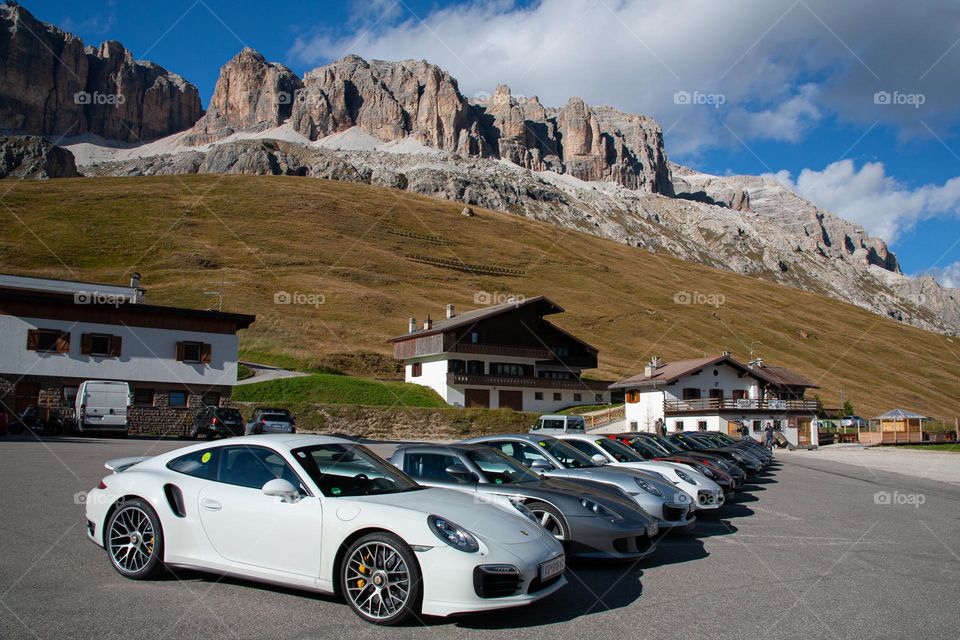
(269, 420)
(558, 424)
(211, 422)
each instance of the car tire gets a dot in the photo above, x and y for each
(133, 540)
(550, 519)
(387, 558)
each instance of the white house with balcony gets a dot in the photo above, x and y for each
(719, 393)
(504, 356)
(54, 334)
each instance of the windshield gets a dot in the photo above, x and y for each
(619, 451)
(344, 470)
(499, 468)
(567, 455)
(665, 443)
(645, 448)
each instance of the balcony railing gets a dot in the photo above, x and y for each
(737, 404)
(538, 353)
(527, 382)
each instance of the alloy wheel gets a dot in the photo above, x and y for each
(131, 539)
(377, 580)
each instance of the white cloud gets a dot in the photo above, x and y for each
(948, 276)
(885, 207)
(779, 64)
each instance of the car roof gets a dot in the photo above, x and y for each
(455, 446)
(589, 437)
(527, 437)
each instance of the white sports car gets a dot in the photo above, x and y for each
(323, 514)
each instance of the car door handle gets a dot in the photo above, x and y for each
(210, 505)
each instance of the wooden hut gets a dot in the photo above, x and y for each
(896, 426)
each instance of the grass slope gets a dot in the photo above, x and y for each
(265, 235)
(326, 388)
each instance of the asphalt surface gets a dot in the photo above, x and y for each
(809, 551)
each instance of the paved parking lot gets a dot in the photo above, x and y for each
(817, 549)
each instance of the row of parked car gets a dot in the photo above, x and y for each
(224, 422)
(439, 529)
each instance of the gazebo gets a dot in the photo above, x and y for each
(894, 427)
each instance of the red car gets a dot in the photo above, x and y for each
(651, 452)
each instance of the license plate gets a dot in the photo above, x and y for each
(551, 568)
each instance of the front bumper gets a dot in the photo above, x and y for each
(449, 577)
(597, 538)
(707, 500)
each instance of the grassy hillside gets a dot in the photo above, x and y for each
(326, 388)
(344, 245)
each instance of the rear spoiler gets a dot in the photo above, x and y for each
(122, 464)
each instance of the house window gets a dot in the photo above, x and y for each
(194, 352)
(716, 394)
(211, 399)
(70, 395)
(757, 426)
(632, 397)
(598, 397)
(577, 397)
(558, 397)
(456, 366)
(474, 337)
(416, 369)
(691, 394)
(48, 340)
(143, 397)
(701, 425)
(100, 345)
(177, 399)
(506, 369)
(678, 425)
(739, 394)
(561, 352)
(475, 367)
(538, 395)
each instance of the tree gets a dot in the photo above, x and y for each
(847, 408)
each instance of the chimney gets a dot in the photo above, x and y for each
(137, 293)
(135, 280)
(412, 326)
(428, 323)
(450, 312)
(726, 354)
(652, 366)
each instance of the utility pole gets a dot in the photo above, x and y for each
(218, 292)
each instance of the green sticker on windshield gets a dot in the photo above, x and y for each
(335, 491)
(542, 443)
(497, 481)
(205, 457)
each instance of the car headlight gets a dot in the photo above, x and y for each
(599, 509)
(453, 534)
(649, 488)
(685, 477)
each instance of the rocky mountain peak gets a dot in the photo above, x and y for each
(51, 83)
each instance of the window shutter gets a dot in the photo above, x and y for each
(63, 342)
(86, 347)
(180, 352)
(206, 353)
(33, 340)
(116, 343)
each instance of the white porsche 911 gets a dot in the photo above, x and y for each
(322, 514)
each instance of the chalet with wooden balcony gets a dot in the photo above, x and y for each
(504, 356)
(719, 393)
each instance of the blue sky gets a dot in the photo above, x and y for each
(786, 87)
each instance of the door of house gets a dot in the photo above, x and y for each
(511, 400)
(476, 398)
(26, 394)
(803, 432)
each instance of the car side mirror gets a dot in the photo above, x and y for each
(280, 488)
(540, 466)
(599, 459)
(460, 473)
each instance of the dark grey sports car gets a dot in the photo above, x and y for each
(593, 521)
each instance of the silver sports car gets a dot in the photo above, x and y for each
(556, 459)
(592, 520)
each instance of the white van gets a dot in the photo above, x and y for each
(102, 405)
(556, 424)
